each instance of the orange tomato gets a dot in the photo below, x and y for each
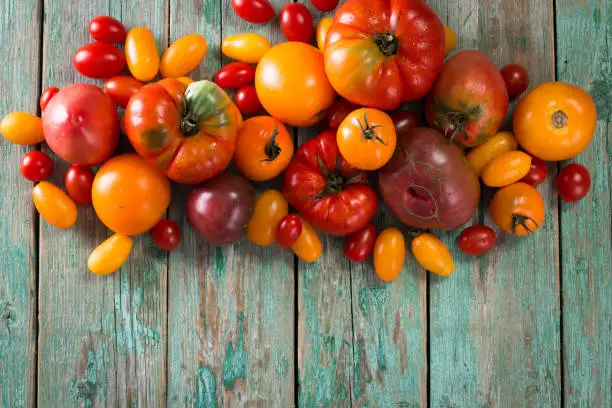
(366, 138)
(507, 168)
(518, 209)
(555, 121)
(264, 148)
(248, 47)
(55, 206)
(308, 246)
(130, 196)
(483, 154)
(432, 254)
(270, 207)
(292, 85)
(22, 128)
(389, 254)
(322, 28)
(450, 40)
(141, 54)
(183, 56)
(185, 80)
(110, 255)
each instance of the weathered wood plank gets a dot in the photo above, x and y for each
(584, 58)
(494, 338)
(20, 46)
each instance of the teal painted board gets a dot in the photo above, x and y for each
(584, 58)
(19, 44)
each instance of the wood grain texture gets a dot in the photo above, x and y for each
(584, 58)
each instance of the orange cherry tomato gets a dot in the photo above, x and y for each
(185, 80)
(432, 254)
(264, 148)
(130, 196)
(142, 54)
(308, 246)
(270, 207)
(507, 168)
(555, 121)
(389, 254)
(110, 255)
(518, 209)
(322, 28)
(183, 56)
(450, 40)
(55, 206)
(483, 154)
(22, 128)
(366, 138)
(249, 47)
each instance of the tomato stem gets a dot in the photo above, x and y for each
(387, 43)
(559, 119)
(189, 125)
(521, 220)
(455, 124)
(335, 181)
(367, 130)
(272, 148)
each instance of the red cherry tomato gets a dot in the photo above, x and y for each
(338, 111)
(36, 166)
(573, 182)
(516, 78)
(99, 60)
(477, 240)
(404, 121)
(166, 234)
(235, 75)
(537, 172)
(247, 100)
(288, 230)
(78, 181)
(296, 22)
(107, 30)
(46, 96)
(121, 88)
(254, 11)
(359, 245)
(325, 5)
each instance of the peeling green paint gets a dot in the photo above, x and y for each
(375, 295)
(382, 361)
(235, 364)
(205, 397)
(83, 389)
(601, 92)
(219, 266)
(357, 364)
(282, 365)
(134, 336)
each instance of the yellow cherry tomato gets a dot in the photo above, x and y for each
(433, 255)
(249, 47)
(480, 156)
(308, 246)
(183, 56)
(389, 254)
(22, 128)
(55, 206)
(141, 54)
(450, 40)
(322, 28)
(270, 207)
(507, 168)
(110, 255)
(186, 80)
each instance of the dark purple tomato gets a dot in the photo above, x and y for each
(36, 166)
(46, 96)
(573, 182)
(235, 75)
(516, 78)
(338, 111)
(296, 22)
(537, 172)
(107, 30)
(247, 100)
(288, 230)
(359, 245)
(166, 234)
(78, 181)
(405, 120)
(477, 240)
(254, 11)
(99, 60)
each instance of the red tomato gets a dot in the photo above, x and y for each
(235, 75)
(254, 11)
(166, 234)
(359, 245)
(516, 78)
(573, 182)
(46, 96)
(36, 166)
(325, 5)
(247, 100)
(537, 172)
(99, 60)
(107, 30)
(78, 181)
(338, 111)
(121, 88)
(288, 230)
(477, 240)
(404, 121)
(296, 22)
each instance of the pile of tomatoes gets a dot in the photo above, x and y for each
(367, 63)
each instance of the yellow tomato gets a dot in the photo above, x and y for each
(22, 128)
(141, 54)
(308, 246)
(270, 207)
(55, 206)
(183, 56)
(110, 255)
(249, 47)
(432, 254)
(450, 40)
(389, 254)
(186, 80)
(480, 156)
(507, 168)
(322, 28)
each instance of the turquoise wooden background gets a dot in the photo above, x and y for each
(529, 325)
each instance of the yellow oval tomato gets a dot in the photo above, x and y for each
(110, 255)
(22, 128)
(141, 54)
(322, 28)
(483, 154)
(450, 40)
(507, 168)
(432, 254)
(55, 206)
(389, 254)
(185, 80)
(183, 56)
(308, 246)
(270, 207)
(249, 47)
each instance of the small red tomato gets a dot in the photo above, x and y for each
(99, 60)
(247, 100)
(516, 78)
(359, 245)
(296, 22)
(107, 30)
(235, 75)
(325, 5)
(338, 111)
(288, 230)
(254, 11)
(121, 88)
(477, 240)
(573, 182)
(46, 96)
(537, 172)
(166, 234)
(404, 121)
(78, 181)
(36, 166)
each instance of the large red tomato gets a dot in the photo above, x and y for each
(380, 53)
(187, 133)
(329, 193)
